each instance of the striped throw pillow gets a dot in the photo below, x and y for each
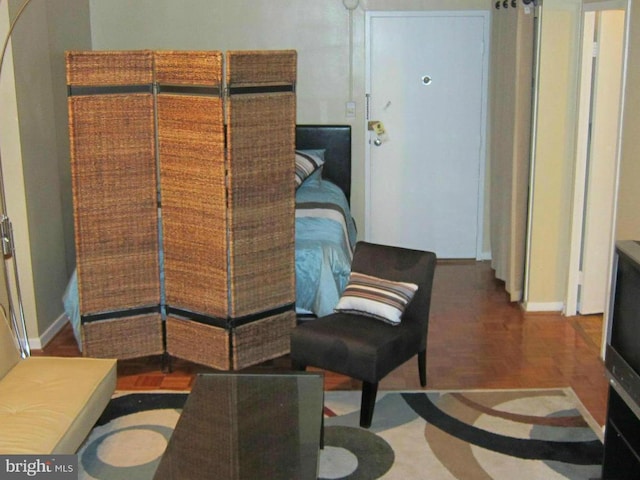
(307, 162)
(376, 297)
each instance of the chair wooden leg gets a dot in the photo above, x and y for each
(369, 392)
(422, 367)
(298, 367)
(167, 366)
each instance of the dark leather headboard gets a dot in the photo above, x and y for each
(336, 141)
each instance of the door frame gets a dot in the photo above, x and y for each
(580, 166)
(481, 254)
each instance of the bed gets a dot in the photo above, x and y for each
(325, 229)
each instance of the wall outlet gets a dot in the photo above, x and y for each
(350, 109)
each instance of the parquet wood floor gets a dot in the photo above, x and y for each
(477, 340)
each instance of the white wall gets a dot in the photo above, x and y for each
(628, 218)
(13, 174)
(37, 157)
(318, 30)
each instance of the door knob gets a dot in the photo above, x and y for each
(377, 142)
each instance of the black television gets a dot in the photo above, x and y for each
(622, 355)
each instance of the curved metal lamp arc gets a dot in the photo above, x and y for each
(19, 327)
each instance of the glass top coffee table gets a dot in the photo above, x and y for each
(247, 426)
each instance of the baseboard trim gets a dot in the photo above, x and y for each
(483, 256)
(543, 306)
(37, 343)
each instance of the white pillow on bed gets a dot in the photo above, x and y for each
(375, 297)
(307, 162)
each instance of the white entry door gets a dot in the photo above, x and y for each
(426, 83)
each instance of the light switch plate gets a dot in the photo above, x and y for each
(350, 109)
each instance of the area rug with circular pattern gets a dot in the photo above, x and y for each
(464, 435)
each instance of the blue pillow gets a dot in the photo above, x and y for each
(307, 163)
(314, 179)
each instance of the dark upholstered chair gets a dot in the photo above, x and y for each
(366, 348)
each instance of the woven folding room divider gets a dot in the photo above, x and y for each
(220, 197)
(192, 180)
(259, 153)
(113, 156)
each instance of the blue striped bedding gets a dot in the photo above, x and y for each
(325, 239)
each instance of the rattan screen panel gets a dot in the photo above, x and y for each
(115, 204)
(194, 210)
(261, 67)
(105, 68)
(203, 68)
(262, 340)
(127, 337)
(198, 342)
(261, 145)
